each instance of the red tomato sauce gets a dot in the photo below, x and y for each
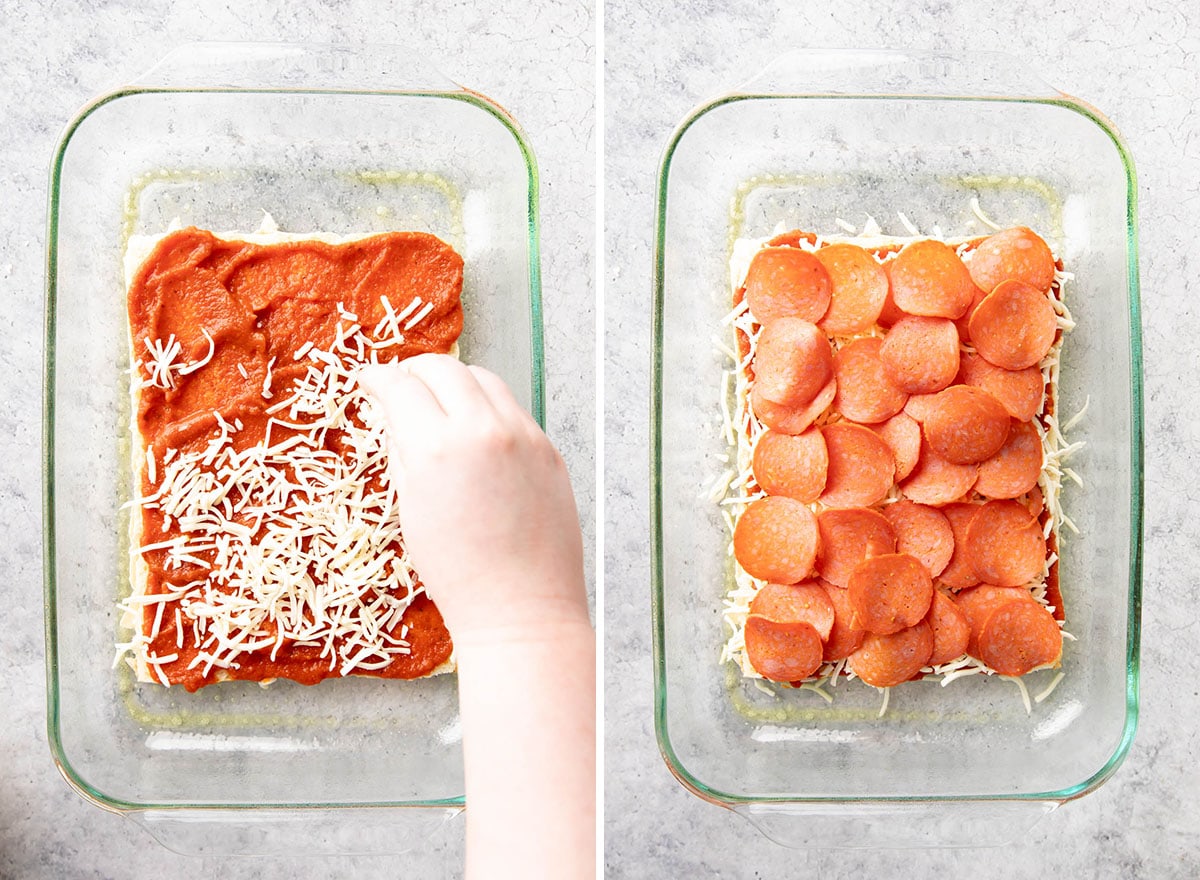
(262, 302)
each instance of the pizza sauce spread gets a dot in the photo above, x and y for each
(268, 545)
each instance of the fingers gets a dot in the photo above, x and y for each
(427, 389)
(402, 396)
(503, 401)
(406, 403)
(453, 384)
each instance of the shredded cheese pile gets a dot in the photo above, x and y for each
(735, 488)
(160, 360)
(300, 543)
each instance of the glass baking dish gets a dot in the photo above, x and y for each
(326, 139)
(823, 136)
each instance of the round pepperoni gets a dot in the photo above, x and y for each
(920, 355)
(959, 573)
(1015, 469)
(902, 434)
(951, 632)
(861, 466)
(1019, 637)
(889, 315)
(919, 406)
(792, 419)
(1035, 503)
(889, 593)
(787, 282)
(935, 481)
(865, 393)
(844, 638)
(921, 532)
(1016, 254)
(848, 536)
(978, 604)
(928, 278)
(965, 424)
(1014, 326)
(964, 323)
(1019, 391)
(782, 651)
(887, 660)
(1005, 544)
(791, 464)
(776, 539)
(792, 362)
(859, 288)
(805, 602)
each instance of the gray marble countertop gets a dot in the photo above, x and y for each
(1139, 67)
(53, 58)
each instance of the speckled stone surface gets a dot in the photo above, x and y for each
(1140, 68)
(538, 63)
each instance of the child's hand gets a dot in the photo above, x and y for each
(485, 504)
(488, 518)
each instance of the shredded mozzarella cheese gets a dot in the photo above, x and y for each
(296, 542)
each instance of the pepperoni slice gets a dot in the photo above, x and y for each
(889, 593)
(1014, 326)
(859, 288)
(792, 419)
(928, 278)
(861, 466)
(959, 573)
(1019, 391)
(890, 314)
(865, 393)
(844, 638)
(848, 536)
(787, 282)
(919, 406)
(902, 434)
(922, 532)
(965, 424)
(1016, 254)
(920, 355)
(791, 464)
(935, 481)
(951, 632)
(795, 603)
(792, 362)
(776, 539)
(978, 604)
(964, 323)
(1035, 503)
(1020, 636)
(887, 660)
(782, 651)
(1005, 544)
(1015, 469)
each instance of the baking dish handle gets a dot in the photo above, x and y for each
(295, 832)
(896, 825)
(891, 73)
(296, 67)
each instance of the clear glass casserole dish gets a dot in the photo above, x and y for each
(327, 140)
(823, 136)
